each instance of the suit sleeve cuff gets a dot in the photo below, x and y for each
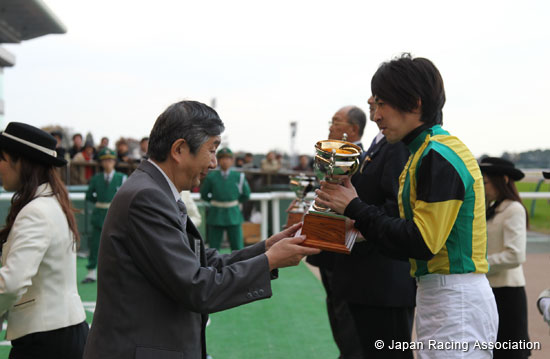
(354, 208)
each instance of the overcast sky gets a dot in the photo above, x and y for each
(123, 62)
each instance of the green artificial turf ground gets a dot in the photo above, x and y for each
(540, 221)
(291, 324)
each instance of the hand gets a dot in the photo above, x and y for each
(291, 205)
(336, 196)
(544, 306)
(288, 232)
(288, 252)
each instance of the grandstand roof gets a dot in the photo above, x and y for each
(27, 19)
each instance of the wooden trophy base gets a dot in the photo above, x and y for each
(293, 218)
(326, 231)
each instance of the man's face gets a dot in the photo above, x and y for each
(108, 165)
(122, 148)
(372, 107)
(225, 163)
(395, 124)
(144, 145)
(339, 125)
(89, 150)
(193, 168)
(304, 161)
(77, 141)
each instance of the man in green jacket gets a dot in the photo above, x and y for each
(101, 190)
(225, 190)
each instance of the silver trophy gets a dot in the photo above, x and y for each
(301, 185)
(334, 159)
(324, 228)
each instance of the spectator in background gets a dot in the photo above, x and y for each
(304, 164)
(140, 153)
(239, 162)
(225, 190)
(104, 143)
(101, 190)
(38, 292)
(282, 162)
(123, 154)
(77, 145)
(270, 163)
(506, 247)
(249, 161)
(61, 151)
(81, 173)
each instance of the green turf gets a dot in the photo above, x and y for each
(540, 222)
(293, 323)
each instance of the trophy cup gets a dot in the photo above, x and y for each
(300, 185)
(324, 228)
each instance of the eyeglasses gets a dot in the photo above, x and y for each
(337, 122)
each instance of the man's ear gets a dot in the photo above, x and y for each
(418, 108)
(355, 128)
(179, 149)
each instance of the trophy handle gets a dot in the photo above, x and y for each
(332, 163)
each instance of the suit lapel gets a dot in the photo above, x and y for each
(372, 152)
(190, 229)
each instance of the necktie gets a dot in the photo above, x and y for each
(195, 244)
(183, 213)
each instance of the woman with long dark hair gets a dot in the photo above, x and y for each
(506, 244)
(38, 292)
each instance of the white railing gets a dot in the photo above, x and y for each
(264, 198)
(534, 195)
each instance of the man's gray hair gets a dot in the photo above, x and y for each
(193, 121)
(357, 117)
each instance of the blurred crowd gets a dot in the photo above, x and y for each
(264, 172)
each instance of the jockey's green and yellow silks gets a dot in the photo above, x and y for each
(441, 190)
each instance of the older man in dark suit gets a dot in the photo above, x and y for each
(349, 120)
(369, 296)
(156, 280)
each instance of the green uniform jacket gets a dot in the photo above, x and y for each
(233, 188)
(99, 191)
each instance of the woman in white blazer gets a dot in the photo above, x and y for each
(506, 244)
(38, 292)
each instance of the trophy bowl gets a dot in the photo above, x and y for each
(301, 185)
(333, 159)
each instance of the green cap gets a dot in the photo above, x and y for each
(224, 152)
(106, 154)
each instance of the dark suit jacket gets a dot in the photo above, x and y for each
(153, 293)
(366, 276)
